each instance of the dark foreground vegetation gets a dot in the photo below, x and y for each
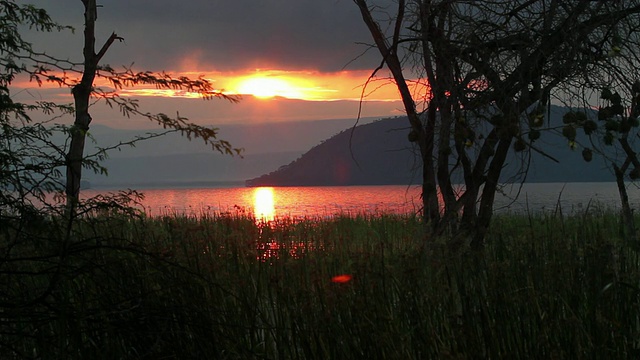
(226, 286)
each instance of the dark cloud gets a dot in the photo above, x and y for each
(223, 34)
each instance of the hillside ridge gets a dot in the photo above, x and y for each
(379, 153)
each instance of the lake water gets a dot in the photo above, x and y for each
(270, 202)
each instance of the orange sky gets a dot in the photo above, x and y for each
(307, 85)
(266, 96)
(301, 60)
(296, 85)
(264, 84)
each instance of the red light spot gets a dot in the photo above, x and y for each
(341, 279)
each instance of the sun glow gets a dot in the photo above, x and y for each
(307, 85)
(268, 87)
(263, 204)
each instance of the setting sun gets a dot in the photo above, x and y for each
(267, 87)
(271, 84)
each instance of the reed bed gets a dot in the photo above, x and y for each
(228, 286)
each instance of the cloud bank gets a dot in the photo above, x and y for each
(223, 35)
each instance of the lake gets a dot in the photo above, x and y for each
(270, 202)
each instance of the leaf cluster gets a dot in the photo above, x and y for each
(616, 121)
(30, 159)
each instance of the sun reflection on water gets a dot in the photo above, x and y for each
(263, 204)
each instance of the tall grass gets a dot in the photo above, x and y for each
(228, 286)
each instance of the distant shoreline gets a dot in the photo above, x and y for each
(166, 185)
(248, 183)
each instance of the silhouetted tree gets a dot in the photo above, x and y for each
(18, 57)
(489, 70)
(83, 90)
(29, 160)
(66, 285)
(612, 132)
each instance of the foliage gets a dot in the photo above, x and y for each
(30, 159)
(54, 266)
(492, 68)
(618, 124)
(228, 286)
(610, 130)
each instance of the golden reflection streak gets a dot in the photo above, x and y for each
(263, 204)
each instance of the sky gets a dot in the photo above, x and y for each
(292, 59)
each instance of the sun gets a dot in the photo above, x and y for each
(265, 87)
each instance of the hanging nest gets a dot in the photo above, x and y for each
(534, 135)
(569, 132)
(589, 127)
(519, 145)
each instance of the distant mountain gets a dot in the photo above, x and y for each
(371, 154)
(172, 160)
(260, 138)
(177, 169)
(380, 153)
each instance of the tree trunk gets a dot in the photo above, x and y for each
(76, 148)
(489, 192)
(81, 95)
(424, 134)
(430, 201)
(627, 214)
